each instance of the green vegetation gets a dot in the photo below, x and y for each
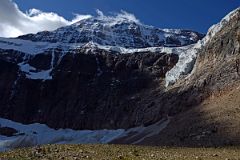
(120, 152)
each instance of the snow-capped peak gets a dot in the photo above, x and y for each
(121, 33)
(217, 27)
(122, 17)
(122, 30)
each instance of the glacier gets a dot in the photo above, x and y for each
(40, 134)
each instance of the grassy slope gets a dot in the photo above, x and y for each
(111, 152)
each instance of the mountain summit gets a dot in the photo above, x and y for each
(122, 30)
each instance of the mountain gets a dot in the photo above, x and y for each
(204, 105)
(120, 31)
(97, 64)
(113, 73)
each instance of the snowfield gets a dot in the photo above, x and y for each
(40, 134)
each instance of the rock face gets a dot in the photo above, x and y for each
(217, 65)
(6, 131)
(87, 91)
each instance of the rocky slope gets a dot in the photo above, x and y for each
(91, 83)
(205, 105)
(102, 152)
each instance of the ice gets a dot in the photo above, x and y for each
(184, 65)
(34, 48)
(142, 132)
(39, 134)
(32, 73)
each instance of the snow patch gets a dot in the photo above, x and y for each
(33, 48)
(40, 134)
(122, 50)
(33, 73)
(99, 70)
(140, 133)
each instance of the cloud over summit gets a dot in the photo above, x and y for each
(14, 22)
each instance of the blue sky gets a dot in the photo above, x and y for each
(197, 15)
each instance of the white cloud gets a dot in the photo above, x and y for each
(14, 22)
(117, 17)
